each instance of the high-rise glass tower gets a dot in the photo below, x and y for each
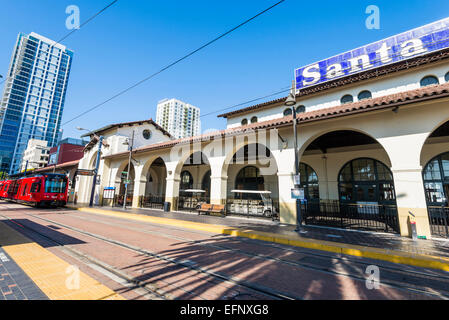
(33, 97)
(180, 119)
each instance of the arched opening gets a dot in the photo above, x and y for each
(355, 189)
(300, 109)
(347, 99)
(254, 120)
(192, 191)
(156, 179)
(253, 188)
(364, 95)
(309, 181)
(435, 161)
(244, 122)
(126, 190)
(366, 181)
(429, 81)
(288, 112)
(436, 180)
(205, 183)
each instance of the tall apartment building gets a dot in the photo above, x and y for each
(33, 97)
(180, 119)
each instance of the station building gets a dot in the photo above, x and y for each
(373, 147)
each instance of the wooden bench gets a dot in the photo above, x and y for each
(211, 208)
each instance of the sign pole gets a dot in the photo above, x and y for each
(125, 197)
(94, 183)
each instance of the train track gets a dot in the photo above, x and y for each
(268, 292)
(410, 275)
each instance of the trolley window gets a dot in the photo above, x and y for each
(25, 189)
(35, 187)
(55, 184)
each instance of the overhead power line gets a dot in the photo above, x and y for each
(171, 64)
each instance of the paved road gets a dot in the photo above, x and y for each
(150, 261)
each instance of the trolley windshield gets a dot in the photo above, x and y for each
(55, 184)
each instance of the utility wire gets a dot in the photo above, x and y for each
(75, 30)
(171, 64)
(283, 90)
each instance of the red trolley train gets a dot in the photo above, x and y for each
(38, 190)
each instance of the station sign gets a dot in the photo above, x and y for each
(82, 172)
(423, 40)
(298, 194)
(109, 193)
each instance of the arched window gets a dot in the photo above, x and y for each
(288, 112)
(254, 120)
(244, 122)
(446, 77)
(436, 180)
(366, 180)
(347, 99)
(249, 178)
(186, 181)
(365, 95)
(429, 80)
(309, 181)
(301, 109)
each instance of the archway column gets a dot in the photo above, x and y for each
(218, 181)
(404, 152)
(139, 186)
(172, 186)
(286, 164)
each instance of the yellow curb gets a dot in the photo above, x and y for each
(50, 273)
(417, 260)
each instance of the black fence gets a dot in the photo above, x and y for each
(153, 202)
(252, 208)
(368, 217)
(439, 221)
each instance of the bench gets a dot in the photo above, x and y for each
(211, 208)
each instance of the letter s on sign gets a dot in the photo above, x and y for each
(311, 75)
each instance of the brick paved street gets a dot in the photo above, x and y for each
(169, 262)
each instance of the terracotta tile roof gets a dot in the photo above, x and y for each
(59, 166)
(390, 101)
(123, 124)
(338, 83)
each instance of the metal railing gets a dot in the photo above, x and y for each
(439, 221)
(252, 208)
(369, 217)
(153, 202)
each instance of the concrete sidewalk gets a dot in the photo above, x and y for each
(31, 272)
(387, 247)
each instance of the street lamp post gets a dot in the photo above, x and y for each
(130, 144)
(97, 165)
(291, 102)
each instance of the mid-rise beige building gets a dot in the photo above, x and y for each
(35, 155)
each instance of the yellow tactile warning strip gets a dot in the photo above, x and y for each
(417, 260)
(57, 279)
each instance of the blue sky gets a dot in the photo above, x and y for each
(135, 38)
